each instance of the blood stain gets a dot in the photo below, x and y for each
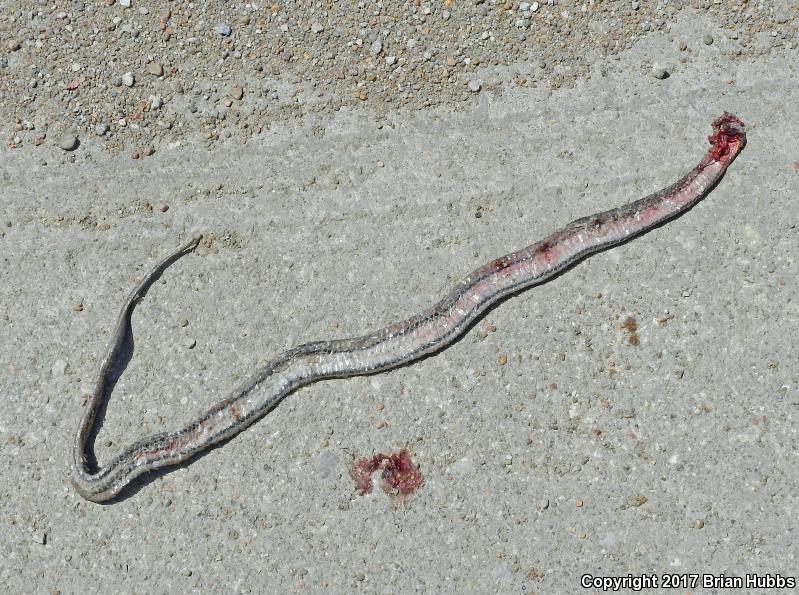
(400, 475)
(500, 263)
(543, 249)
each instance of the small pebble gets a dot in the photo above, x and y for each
(659, 72)
(707, 39)
(39, 537)
(68, 142)
(184, 322)
(376, 47)
(190, 342)
(128, 79)
(236, 92)
(391, 60)
(682, 45)
(147, 150)
(162, 206)
(223, 29)
(315, 27)
(124, 3)
(155, 68)
(475, 86)
(13, 45)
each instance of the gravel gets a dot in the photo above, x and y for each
(74, 65)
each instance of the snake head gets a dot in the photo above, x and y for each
(728, 138)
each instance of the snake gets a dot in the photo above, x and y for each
(387, 348)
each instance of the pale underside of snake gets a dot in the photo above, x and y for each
(394, 345)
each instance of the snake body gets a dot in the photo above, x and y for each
(394, 345)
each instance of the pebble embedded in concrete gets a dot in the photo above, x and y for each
(68, 142)
(660, 72)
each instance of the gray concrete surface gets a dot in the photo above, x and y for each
(582, 454)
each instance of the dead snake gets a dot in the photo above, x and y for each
(394, 345)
